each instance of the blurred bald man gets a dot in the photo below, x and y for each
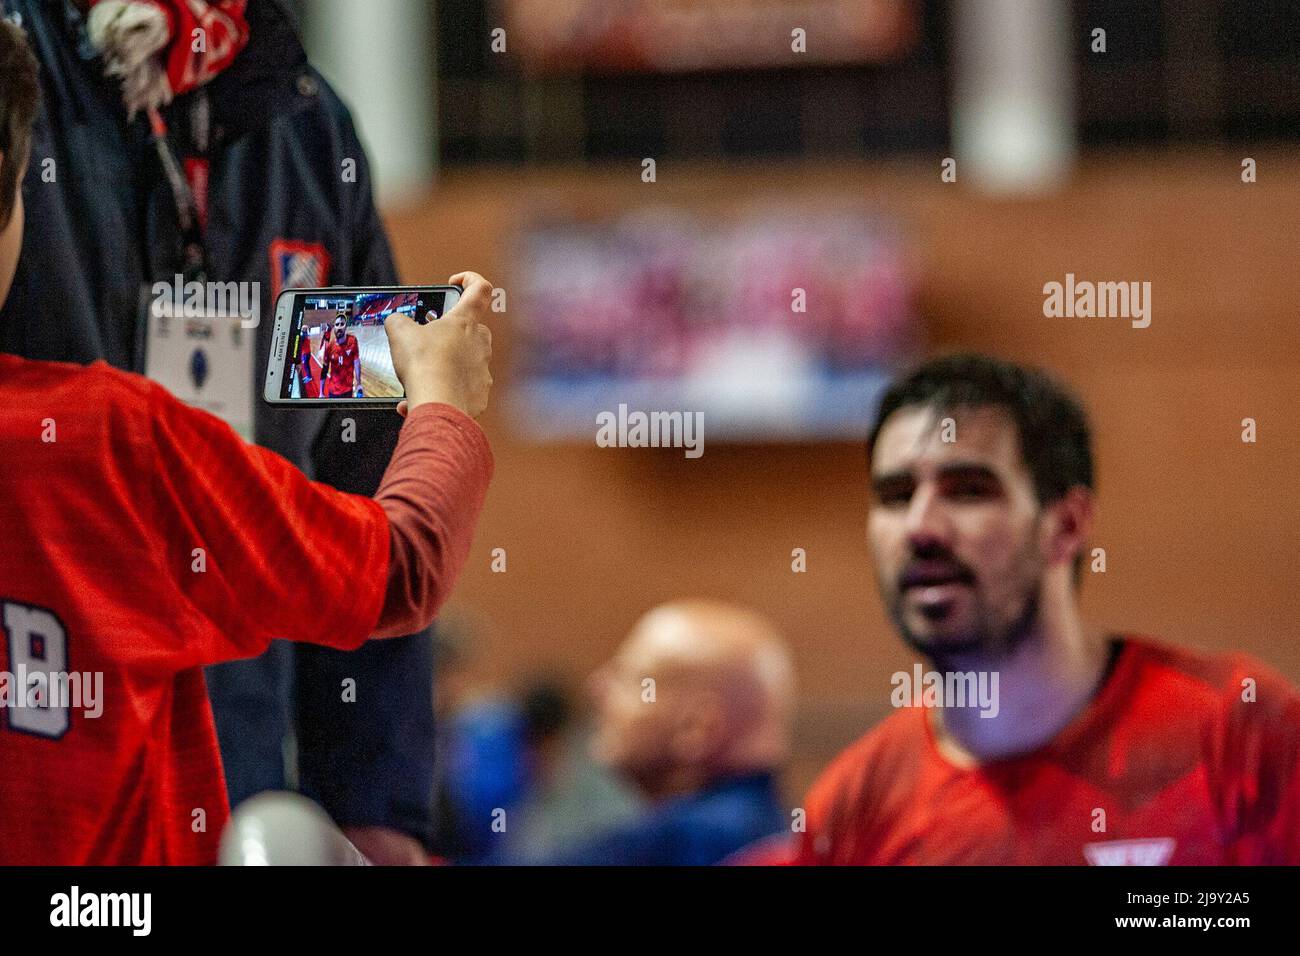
(694, 710)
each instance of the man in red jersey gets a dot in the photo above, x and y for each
(310, 389)
(141, 539)
(341, 362)
(1039, 740)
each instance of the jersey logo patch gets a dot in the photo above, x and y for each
(297, 265)
(1130, 852)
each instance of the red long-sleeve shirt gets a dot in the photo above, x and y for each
(141, 540)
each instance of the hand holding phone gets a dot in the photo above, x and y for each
(446, 361)
(329, 347)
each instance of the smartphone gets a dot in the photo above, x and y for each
(329, 347)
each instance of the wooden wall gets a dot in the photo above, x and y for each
(1201, 531)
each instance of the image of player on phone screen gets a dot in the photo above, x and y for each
(341, 368)
(310, 387)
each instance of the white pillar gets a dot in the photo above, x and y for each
(1013, 93)
(380, 56)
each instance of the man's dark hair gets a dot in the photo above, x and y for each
(19, 95)
(1052, 428)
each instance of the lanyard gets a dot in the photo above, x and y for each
(194, 255)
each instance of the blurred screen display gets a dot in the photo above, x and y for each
(565, 36)
(781, 324)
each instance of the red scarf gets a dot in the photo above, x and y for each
(150, 44)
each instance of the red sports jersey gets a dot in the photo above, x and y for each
(340, 363)
(310, 387)
(1168, 758)
(142, 540)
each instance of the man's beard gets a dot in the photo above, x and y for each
(984, 638)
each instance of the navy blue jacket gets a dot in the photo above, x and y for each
(699, 829)
(281, 212)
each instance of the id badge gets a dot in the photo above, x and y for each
(203, 357)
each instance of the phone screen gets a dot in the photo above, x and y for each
(337, 348)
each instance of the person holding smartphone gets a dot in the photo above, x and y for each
(258, 138)
(110, 489)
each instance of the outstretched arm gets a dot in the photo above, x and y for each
(273, 542)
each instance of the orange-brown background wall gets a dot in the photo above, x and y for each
(1200, 529)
